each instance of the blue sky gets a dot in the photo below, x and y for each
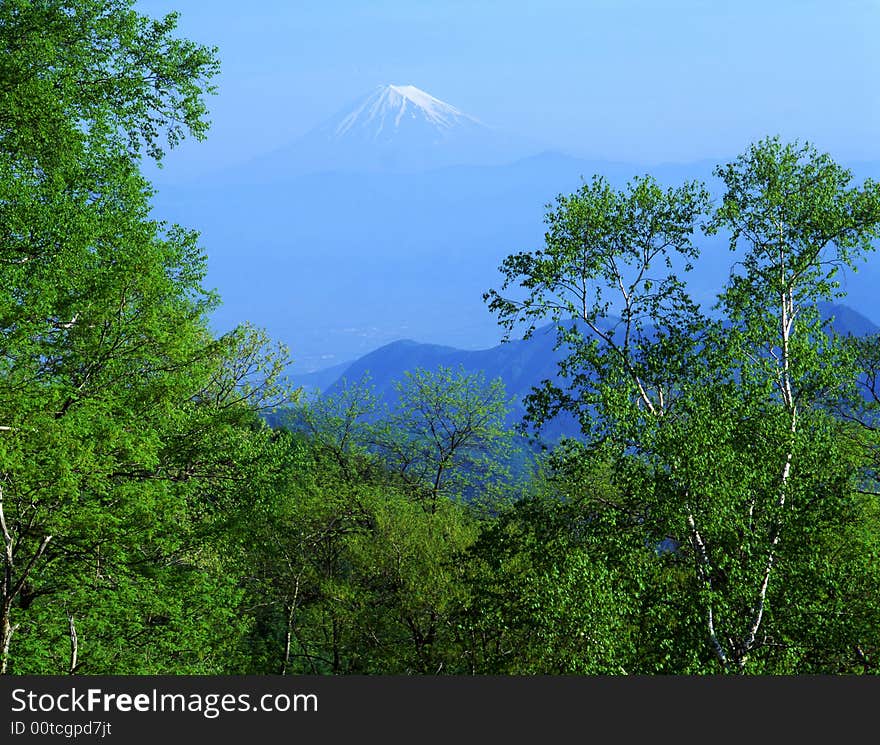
(633, 80)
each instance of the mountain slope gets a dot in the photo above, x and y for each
(520, 364)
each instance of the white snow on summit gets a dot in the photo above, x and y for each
(387, 106)
(394, 129)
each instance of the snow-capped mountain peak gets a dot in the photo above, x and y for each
(395, 129)
(389, 108)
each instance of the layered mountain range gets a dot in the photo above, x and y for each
(389, 220)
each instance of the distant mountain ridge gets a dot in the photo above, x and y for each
(521, 364)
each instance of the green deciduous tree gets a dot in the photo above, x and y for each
(127, 428)
(446, 436)
(722, 423)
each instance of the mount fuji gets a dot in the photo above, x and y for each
(392, 110)
(394, 129)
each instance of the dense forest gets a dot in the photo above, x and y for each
(717, 513)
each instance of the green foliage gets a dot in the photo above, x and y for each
(446, 437)
(365, 522)
(610, 251)
(541, 600)
(90, 77)
(126, 426)
(349, 573)
(723, 428)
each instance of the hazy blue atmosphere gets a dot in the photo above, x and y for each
(631, 80)
(338, 265)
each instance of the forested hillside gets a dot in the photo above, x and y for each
(716, 509)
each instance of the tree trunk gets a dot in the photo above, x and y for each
(6, 632)
(74, 644)
(12, 586)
